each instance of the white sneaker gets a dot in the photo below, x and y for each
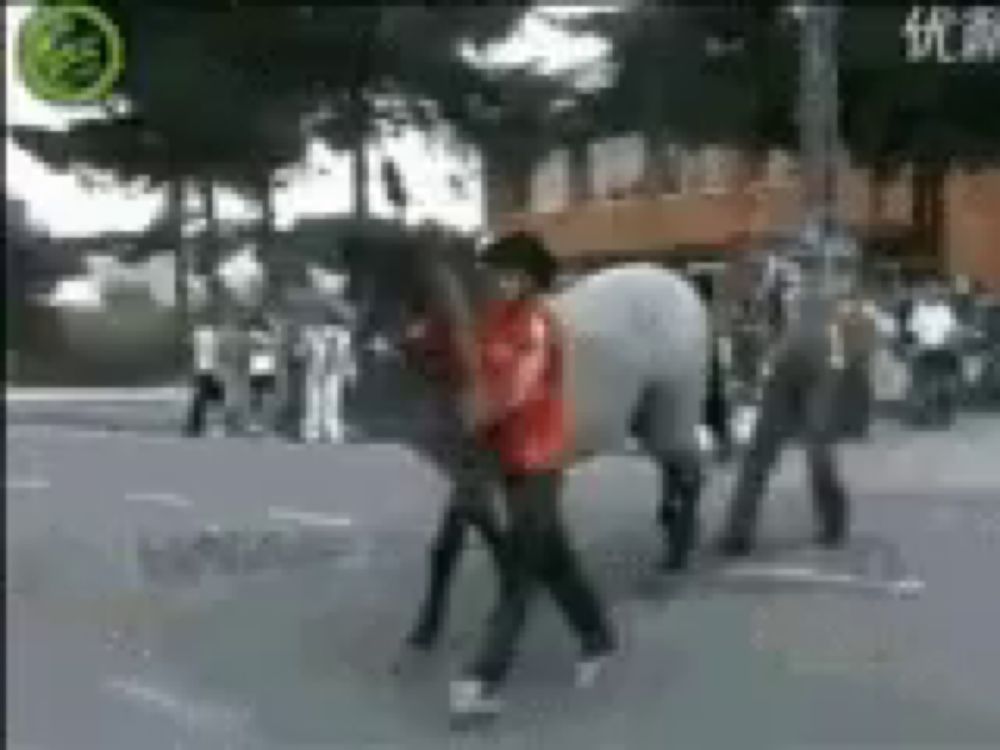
(589, 670)
(470, 698)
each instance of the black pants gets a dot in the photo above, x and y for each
(291, 408)
(935, 374)
(747, 349)
(261, 386)
(207, 389)
(800, 399)
(856, 399)
(470, 507)
(537, 550)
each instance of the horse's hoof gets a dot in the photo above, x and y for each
(422, 639)
(832, 539)
(672, 564)
(410, 659)
(735, 546)
(463, 723)
(725, 454)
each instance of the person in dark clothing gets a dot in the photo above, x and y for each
(903, 309)
(775, 299)
(207, 387)
(800, 399)
(291, 381)
(263, 372)
(856, 321)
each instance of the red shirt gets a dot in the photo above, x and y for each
(521, 365)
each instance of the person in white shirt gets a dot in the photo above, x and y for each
(934, 326)
(207, 386)
(888, 370)
(263, 370)
(933, 323)
(329, 363)
(234, 367)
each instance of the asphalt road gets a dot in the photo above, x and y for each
(170, 593)
(146, 411)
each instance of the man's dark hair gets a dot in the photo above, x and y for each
(523, 251)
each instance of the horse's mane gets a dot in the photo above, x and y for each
(390, 265)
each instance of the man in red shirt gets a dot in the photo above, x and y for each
(513, 394)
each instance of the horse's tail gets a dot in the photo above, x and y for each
(717, 410)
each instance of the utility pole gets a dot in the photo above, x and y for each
(819, 133)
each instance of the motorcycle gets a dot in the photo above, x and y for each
(935, 385)
(982, 373)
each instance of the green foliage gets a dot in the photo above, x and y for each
(226, 91)
(193, 110)
(701, 73)
(897, 112)
(893, 111)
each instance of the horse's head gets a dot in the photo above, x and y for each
(396, 275)
(395, 282)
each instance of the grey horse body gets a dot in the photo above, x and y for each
(636, 354)
(636, 347)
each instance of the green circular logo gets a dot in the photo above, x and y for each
(70, 54)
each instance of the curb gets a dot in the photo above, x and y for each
(93, 395)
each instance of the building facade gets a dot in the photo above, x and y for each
(630, 197)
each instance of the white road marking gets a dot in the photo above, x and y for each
(27, 484)
(187, 712)
(308, 519)
(901, 587)
(168, 499)
(84, 433)
(94, 395)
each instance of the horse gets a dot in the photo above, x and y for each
(637, 361)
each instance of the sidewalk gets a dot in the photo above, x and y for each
(93, 395)
(141, 411)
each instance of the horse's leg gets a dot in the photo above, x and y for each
(483, 517)
(445, 552)
(670, 420)
(681, 482)
(469, 506)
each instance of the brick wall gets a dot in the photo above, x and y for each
(752, 207)
(973, 226)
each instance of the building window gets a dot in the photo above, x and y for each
(616, 166)
(782, 169)
(579, 176)
(714, 170)
(550, 183)
(667, 170)
(754, 170)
